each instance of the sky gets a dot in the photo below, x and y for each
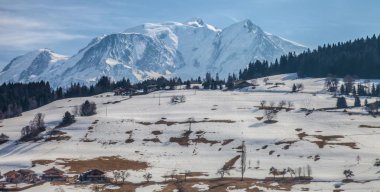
(65, 26)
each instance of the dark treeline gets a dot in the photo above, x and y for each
(359, 58)
(16, 98)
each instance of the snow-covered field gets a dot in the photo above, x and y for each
(223, 115)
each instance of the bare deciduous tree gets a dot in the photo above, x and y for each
(147, 177)
(273, 171)
(348, 173)
(262, 103)
(281, 104)
(116, 176)
(291, 172)
(271, 104)
(270, 114)
(299, 86)
(299, 171)
(223, 171)
(290, 104)
(308, 170)
(265, 80)
(173, 174)
(187, 173)
(124, 175)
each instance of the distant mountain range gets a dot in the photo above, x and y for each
(150, 50)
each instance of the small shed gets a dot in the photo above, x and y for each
(242, 84)
(92, 175)
(151, 88)
(54, 174)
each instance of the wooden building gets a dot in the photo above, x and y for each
(92, 175)
(242, 84)
(20, 176)
(54, 174)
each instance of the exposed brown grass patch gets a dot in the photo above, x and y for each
(369, 126)
(41, 162)
(58, 138)
(259, 118)
(326, 140)
(285, 142)
(180, 140)
(56, 135)
(227, 141)
(156, 132)
(200, 132)
(288, 143)
(170, 123)
(87, 140)
(145, 123)
(204, 140)
(322, 144)
(230, 164)
(102, 163)
(328, 137)
(302, 135)
(154, 140)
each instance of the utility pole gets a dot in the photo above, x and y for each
(243, 154)
(190, 121)
(159, 98)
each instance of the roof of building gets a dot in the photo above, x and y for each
(53, 169)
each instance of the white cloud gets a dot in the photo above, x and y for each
(20, 33)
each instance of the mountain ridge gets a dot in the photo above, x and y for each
(151, 50)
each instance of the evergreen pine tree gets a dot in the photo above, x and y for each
(341, 102)
(357, 102)
(294, 88)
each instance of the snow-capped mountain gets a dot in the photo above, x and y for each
(33, 66)
(169, 49)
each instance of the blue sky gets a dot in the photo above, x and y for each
(65, 26)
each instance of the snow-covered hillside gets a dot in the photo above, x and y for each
(169, 49)
(145, 128)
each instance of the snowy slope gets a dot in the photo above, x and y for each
(169, 49)
(238, 106)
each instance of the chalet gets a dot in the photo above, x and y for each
(22, 175)
(54, 174)
(92, 175)
(151, 88)
(12, 176)
(124, 91)
(238, 84)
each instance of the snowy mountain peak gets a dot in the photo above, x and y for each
(196, 22)
(31, 66)
(151, 50)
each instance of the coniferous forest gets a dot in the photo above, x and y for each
(359, 58)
